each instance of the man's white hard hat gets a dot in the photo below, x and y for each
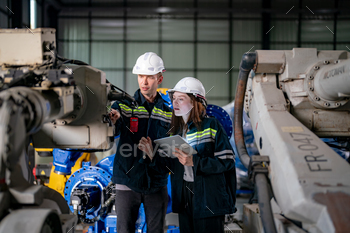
(148, 64)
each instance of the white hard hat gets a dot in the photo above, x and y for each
(192, 86)
(148, 64)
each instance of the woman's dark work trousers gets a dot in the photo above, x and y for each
(189, 224)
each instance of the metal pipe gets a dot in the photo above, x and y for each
(247, 63)
(266, 214)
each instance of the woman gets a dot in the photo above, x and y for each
(203, 184)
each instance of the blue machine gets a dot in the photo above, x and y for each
(339, 146)
(220, 114)
(64, 160)
(91, 195)
(167, 99)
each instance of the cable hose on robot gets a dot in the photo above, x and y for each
(247, 64)
(266, 213)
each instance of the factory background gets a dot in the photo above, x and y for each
(203, 39)
(206, 39)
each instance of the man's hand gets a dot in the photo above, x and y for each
(146, 146)
(184, 159)
(114, 115)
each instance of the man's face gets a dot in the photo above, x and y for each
(148, 84)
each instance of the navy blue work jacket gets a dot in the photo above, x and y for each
(214, 171)
(130, 166)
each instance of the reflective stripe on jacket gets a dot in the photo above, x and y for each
(130, 168)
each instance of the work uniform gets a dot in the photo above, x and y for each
(135, 182)
(203, 201)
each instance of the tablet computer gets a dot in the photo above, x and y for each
(167, 145)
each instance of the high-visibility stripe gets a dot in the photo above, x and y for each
(200, 132)
(141, 112)
(200, 135)
(127, 109)
(128, 114)
(203, 133)
(201, 138)
(124, 107)
(195, 142)
(157, 113)
(161, 112)
(142, 116)
(165, 112)
(141, 109)
(226, 157)
(229, 152)
(161, 118)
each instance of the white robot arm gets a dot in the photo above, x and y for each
(294, 98)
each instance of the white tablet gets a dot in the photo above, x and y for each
(167, 145)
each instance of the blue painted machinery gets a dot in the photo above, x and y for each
(166, 98)
(64, 160)
(224, 118)
(90, 195)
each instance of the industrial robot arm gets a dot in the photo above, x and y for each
(295, 97)
(55, 105)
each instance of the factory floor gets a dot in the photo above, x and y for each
(172, 219)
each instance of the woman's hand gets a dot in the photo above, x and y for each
(146, 146)
(184, 159)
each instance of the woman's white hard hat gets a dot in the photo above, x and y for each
(190, 85)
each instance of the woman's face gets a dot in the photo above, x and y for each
(182, 104)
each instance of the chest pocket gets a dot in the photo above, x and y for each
(162, 129)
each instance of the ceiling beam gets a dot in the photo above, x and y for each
(187, 10)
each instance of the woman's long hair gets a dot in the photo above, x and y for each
(196, 115)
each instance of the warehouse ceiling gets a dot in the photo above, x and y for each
(319, 7)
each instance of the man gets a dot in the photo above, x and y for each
(135, 182)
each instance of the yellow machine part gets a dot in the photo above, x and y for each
(58, 182)
(162, 90)
(42, 149)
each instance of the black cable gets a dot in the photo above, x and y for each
(247, 64)
(75, 62)
(71, 61)
(266, 213)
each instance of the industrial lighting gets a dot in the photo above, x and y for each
(32, 14)
(163, 9)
